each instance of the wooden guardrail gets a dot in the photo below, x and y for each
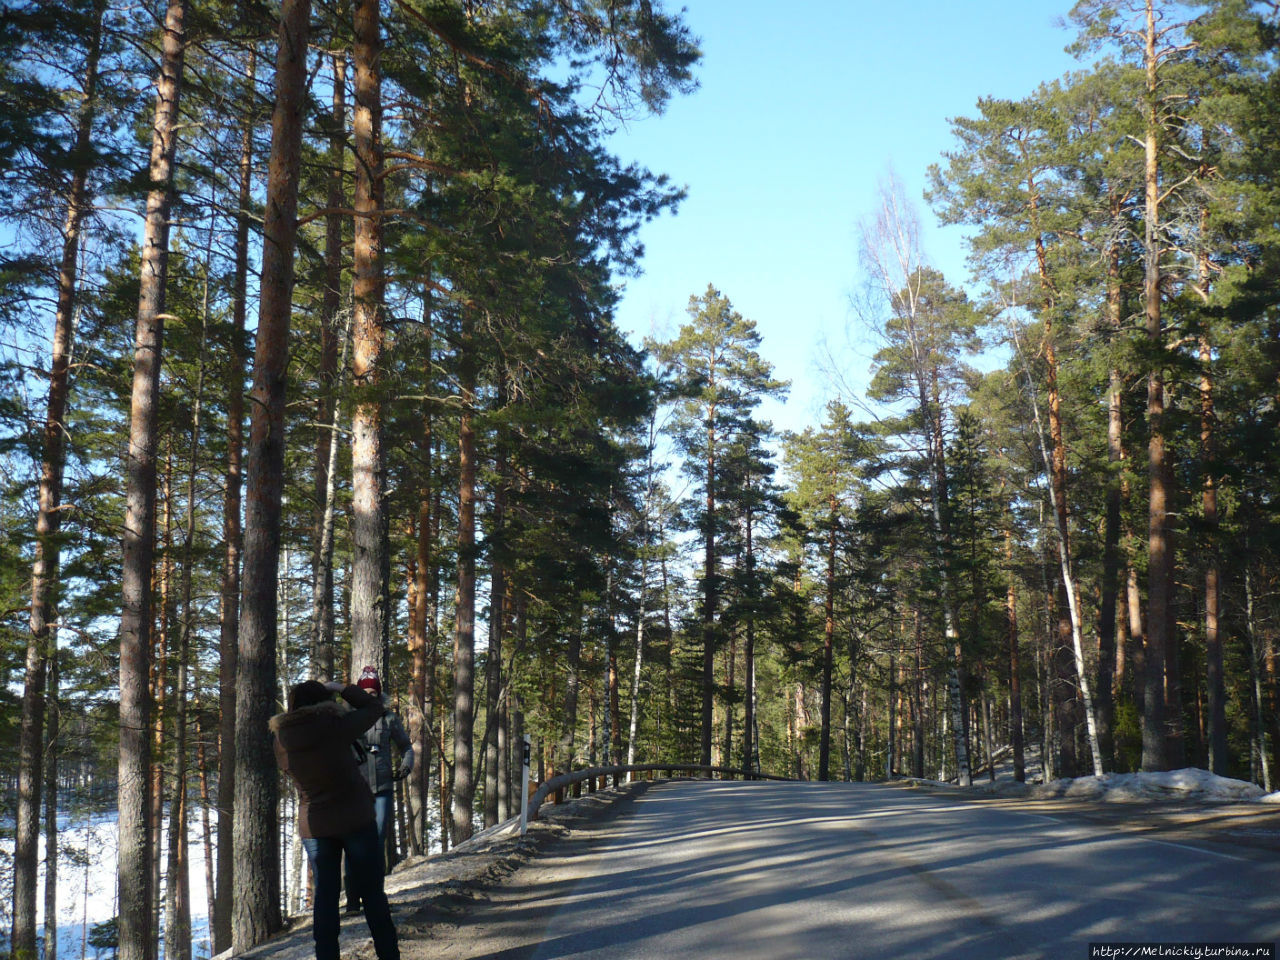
(561, 781)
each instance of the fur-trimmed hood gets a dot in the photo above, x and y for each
(291, 718)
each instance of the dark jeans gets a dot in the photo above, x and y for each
(382, 816)
(363, 849)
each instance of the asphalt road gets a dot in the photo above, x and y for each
(764, 871)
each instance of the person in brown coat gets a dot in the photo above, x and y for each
(335, 808)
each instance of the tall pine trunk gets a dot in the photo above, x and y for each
(710, 599)
(828, 647)
(256, 893)
(370, 560)
(1110, 651)
(1214, 681)
(1015, 672)
(464, 636)
(160, 689)
(41, 645)
(942, 550)
(51, 843)
(493, 682)
(330, 375)
(1056, 462)
(1161, 726)
(177, 935)
(232, 534)
(750, 747)
(567, 747)
(422, 636)
(493, 658)
(135, 852)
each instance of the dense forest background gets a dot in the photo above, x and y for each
(309, 363)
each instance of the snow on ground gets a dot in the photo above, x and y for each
(1190, 783)
(87, 884)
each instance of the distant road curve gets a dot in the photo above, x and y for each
(764, 871)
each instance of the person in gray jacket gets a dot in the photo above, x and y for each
(373, 755)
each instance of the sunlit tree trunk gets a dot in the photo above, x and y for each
(41, 646)
(421, 634)
(330, 375)
(1015, 671)
(135, 852)
(256, 893)
(1110, 651)
(493, 672)
(464, 636)
(51, 843)
(370, 560)
(710, 592)
(177, 935)
(1162, 724)
(1214, 681)
(233, 535)
(828, 646)
(749, 746)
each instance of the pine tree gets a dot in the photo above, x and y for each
(720, 378)
(255, 905)
(136, 853)
(824, 464)
(42, 643)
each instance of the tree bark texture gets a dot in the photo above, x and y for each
(255, 840)
(1109, 604)
(41, 645)
(493, 681)
(710, 594)
(233, 536)
(51, 843)
(1159, 727)
(464, 637)
(828, 647)
(1214, 679)
(329, 377)
(422, 635)
(370, 560)
(135, 849)
(177, 935)
(1015, 673)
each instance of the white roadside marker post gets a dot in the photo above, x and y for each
(524, 787)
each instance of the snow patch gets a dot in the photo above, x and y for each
(87, 882)
(1190, 783)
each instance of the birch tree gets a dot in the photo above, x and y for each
(928, 327)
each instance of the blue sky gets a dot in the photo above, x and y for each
(803, 108)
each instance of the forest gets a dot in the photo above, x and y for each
(309, 362)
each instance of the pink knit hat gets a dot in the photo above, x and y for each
(369, 681)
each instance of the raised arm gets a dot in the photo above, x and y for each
(365, 713)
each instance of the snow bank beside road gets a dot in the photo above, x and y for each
(1190, 783)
